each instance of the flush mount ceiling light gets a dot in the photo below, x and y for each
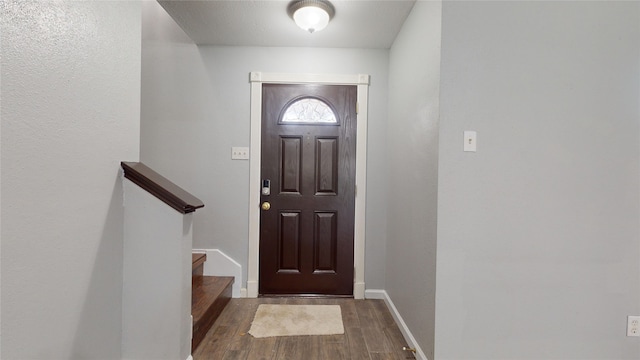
(311, 15)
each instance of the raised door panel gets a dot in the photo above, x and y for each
(289, 244)
(325, 242)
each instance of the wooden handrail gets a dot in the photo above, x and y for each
(161, 187)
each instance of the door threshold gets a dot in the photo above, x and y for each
(306, 296)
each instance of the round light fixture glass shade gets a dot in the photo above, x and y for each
(311, 18)
(311, 15)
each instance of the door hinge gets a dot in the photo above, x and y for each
(357, 108)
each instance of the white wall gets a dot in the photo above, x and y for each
(414, 79)
(156, 301)
(70, 107)
(195, 107)
(538, 232)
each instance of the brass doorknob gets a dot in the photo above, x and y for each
(266, 206)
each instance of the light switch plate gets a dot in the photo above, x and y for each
(633, 325)
(470, 141)
(239, 153)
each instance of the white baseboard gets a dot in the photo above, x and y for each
(382, 295)
(220, 264)
(243, 292)
(375, 294)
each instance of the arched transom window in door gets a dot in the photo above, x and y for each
(309, 111)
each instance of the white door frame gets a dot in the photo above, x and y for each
(257, 79)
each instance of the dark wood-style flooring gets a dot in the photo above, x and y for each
(370, 333)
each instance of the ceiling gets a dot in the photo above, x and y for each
(356, 24)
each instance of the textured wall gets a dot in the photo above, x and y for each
(414, 78)
(70, 108)
(199, 96)
(538, 239)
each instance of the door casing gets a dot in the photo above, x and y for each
(259, 78)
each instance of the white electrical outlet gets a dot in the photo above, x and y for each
(239, 153)
(633, 325)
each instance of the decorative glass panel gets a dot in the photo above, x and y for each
(309, 111)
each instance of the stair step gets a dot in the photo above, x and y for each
(210, 294)
(197, 262)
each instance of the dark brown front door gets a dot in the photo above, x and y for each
(308, 170)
